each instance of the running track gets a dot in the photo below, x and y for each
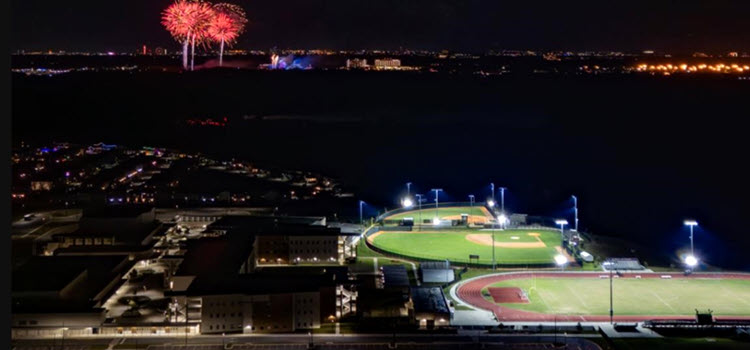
(470, 292)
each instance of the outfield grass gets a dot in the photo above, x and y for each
(428, 213)
(590, 296)
(454, 246)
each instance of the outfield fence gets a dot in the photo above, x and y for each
(381, 217)
(395, 253)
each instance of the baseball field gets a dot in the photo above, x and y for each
(511, 246)
(459, 244)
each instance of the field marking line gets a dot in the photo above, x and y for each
(539, 294)
(578, 297)
(735, 295)
(662, 300)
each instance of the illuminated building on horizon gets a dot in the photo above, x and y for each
(356, 63)
(387, 63)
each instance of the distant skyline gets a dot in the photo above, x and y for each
(463, 25)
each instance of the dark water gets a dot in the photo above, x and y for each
(640, 153)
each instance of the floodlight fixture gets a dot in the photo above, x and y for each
(502, 219)
(407, 202)
(691, 260)
(560, 260)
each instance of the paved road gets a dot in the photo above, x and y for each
(467, 340)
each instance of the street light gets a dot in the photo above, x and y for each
(437, 216)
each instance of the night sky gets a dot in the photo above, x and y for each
(466, 25)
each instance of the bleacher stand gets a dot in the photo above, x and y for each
(622, 264)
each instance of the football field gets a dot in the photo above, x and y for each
(648, 296)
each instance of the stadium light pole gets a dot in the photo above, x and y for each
(471, 203)
(691, 260)
(437, 193)
(419, 211)
(562, 223)
(575, 212)
(408, 189)
(691, 223)
(361, 221)
(494, 264)
(611, 309)
(502, 199)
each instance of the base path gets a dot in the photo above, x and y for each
(470, 292)
(486, 239)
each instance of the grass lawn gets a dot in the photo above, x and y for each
(454, 245)
(590, 296)
(428, 213)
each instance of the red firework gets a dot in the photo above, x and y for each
(185, 18)
(227, 24)
(223, 28)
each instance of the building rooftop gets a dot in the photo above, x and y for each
(64, 283)
(436, 272)
(429, 299)
(269, 281)
(124, 230)
(218, 256)
(276, 225)
(395, 276)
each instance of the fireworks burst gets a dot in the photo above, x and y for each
(226, 25)
(188, 22)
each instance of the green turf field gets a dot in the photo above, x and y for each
(590, 296)
(428, 212)
(454, 245)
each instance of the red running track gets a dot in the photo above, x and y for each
(471, 293)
